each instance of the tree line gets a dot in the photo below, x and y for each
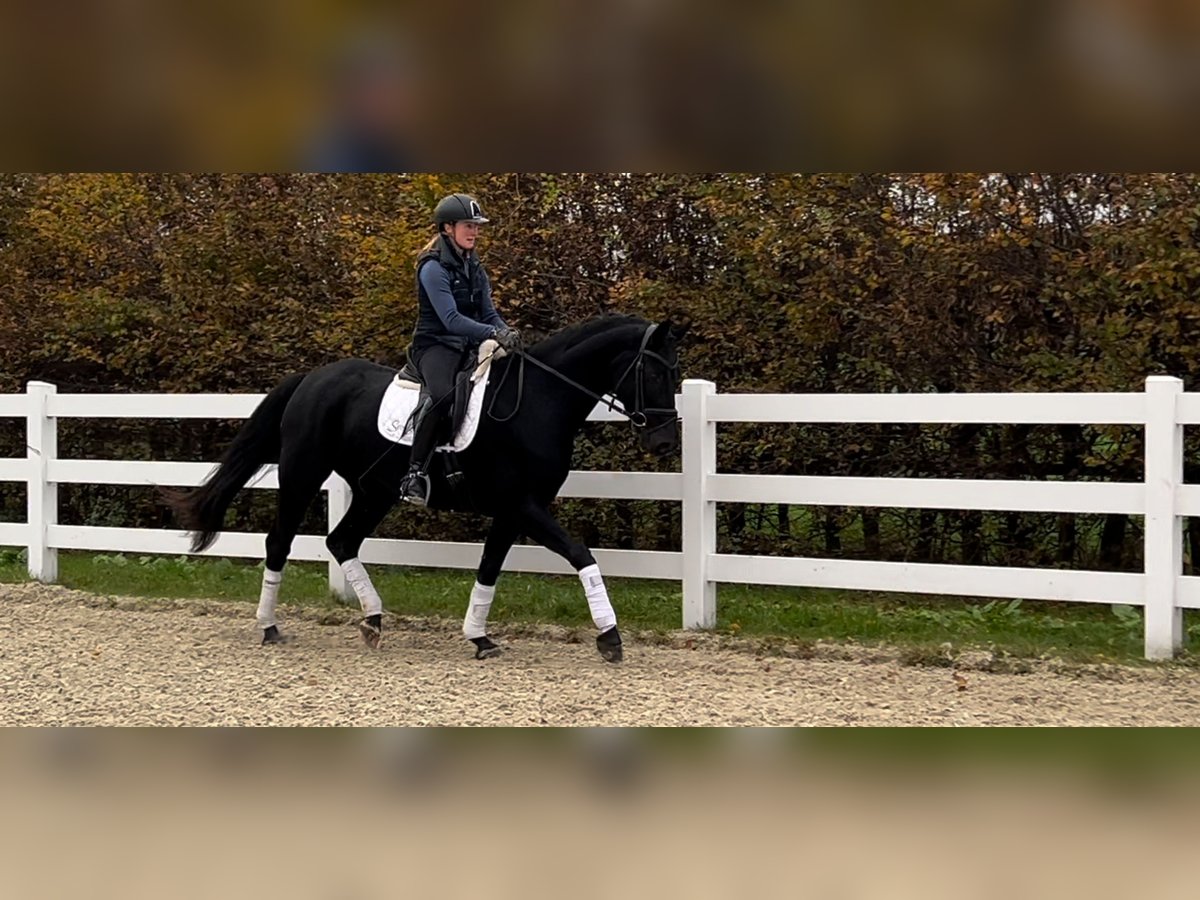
(792, 283)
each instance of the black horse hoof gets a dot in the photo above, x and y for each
(609, 645)
(371, 629)
(485, 648)
(272, 635)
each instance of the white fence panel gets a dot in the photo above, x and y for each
(1187, 592)
(14, 469)
(933, 409)
(1187, 500)
(178, 406)
(522, 558)
(930, 493)
(14, 406)
(1163, 409)
(13, 534)
(931, 578)
(432, 554)
(247, 545)
(1187, 409)
(154, 406)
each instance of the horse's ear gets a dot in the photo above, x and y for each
(673, 327)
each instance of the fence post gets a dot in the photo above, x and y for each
(41, 446)
(699, 513)
(1163, 551)
(339, 502)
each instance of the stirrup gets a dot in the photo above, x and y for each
(415, 488)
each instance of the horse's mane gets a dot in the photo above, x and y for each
(564, 340)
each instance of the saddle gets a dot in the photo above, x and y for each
(458, 404)
(402, 402)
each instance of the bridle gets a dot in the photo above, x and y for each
(638, 417)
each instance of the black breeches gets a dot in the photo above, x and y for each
(438, 366)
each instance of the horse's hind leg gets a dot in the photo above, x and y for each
(366, 511)
(300, 478)
(501, 535)
(540, 525)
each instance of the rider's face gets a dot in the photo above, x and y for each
(465, 234)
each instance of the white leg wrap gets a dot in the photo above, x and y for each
(597, 598)
(268, 597)
(475, 623)
(368, 597)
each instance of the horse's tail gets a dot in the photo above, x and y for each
(201, 511)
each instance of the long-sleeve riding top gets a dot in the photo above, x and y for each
(454, 300)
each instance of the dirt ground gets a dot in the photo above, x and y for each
(70, 658)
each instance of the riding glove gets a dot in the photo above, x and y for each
(508, 338)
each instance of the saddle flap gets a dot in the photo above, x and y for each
(462, 394)
(402, 399)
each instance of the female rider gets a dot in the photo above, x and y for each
(454, 316)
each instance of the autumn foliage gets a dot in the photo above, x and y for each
(794, 283)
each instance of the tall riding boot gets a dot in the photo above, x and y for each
(414, 488)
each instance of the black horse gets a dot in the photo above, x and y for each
(326, 421)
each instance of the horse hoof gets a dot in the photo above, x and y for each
(609, 645)
(371, 629)
(485, 648)
(272, 635)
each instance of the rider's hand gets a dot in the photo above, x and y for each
(509, 339)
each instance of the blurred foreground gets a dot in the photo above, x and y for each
(635, 85)
(755, 813)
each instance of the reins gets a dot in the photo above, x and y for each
(637, 418)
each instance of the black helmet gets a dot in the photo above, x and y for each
(458, 208)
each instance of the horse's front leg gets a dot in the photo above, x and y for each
(539, 524)
(344, 542)
(501, 536)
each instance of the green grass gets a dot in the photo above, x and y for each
(921, 626)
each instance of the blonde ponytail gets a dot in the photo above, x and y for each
(433, 242)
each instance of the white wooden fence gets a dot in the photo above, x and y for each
(1162, 498)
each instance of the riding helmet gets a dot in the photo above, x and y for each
(458, 208)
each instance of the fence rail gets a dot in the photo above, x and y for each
(1161, 498)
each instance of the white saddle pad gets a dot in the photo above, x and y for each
(401, 396)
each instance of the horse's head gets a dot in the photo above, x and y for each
(647, 387)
